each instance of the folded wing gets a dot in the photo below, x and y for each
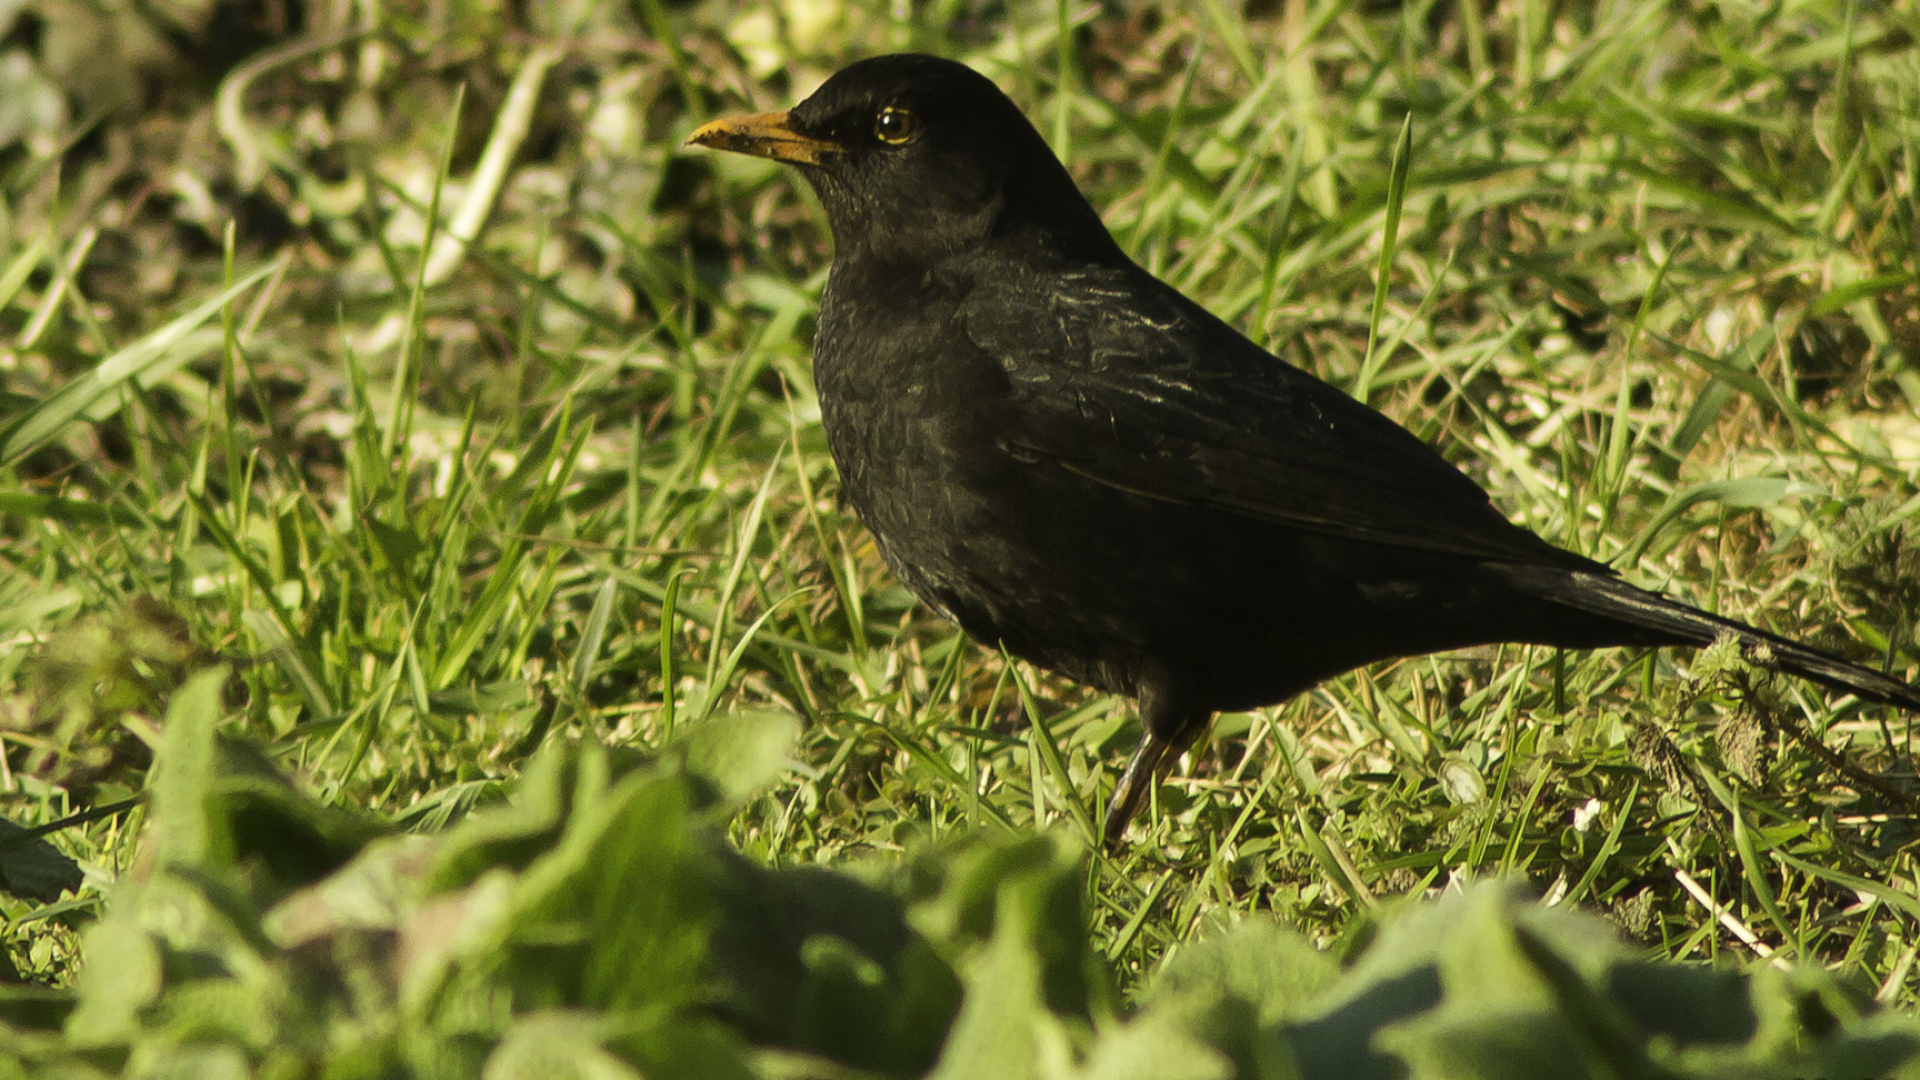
(1119, 378)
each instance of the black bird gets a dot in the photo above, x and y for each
(1068, 457)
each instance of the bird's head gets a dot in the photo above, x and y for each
(915, 157)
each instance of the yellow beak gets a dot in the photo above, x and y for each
(767, 135)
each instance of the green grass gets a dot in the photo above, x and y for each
(1653, 283)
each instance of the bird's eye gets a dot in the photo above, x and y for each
(894, 126)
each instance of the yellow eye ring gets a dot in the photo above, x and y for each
(894, 126)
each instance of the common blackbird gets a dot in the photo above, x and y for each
(1068, 457)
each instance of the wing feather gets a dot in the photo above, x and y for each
(1119, 378)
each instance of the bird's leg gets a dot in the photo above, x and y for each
(1151, 762)
(1170, 728)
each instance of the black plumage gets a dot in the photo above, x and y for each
(1068, 457)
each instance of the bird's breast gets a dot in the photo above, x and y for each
(913, 412)
(908, 407)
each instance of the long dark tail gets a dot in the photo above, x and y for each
(1611, 598)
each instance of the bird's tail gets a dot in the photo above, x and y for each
(1611, 598)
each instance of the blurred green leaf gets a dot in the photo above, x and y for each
(1256, 961)
(739, 753)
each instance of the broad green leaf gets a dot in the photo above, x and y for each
(740, 753)
(33, 868)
